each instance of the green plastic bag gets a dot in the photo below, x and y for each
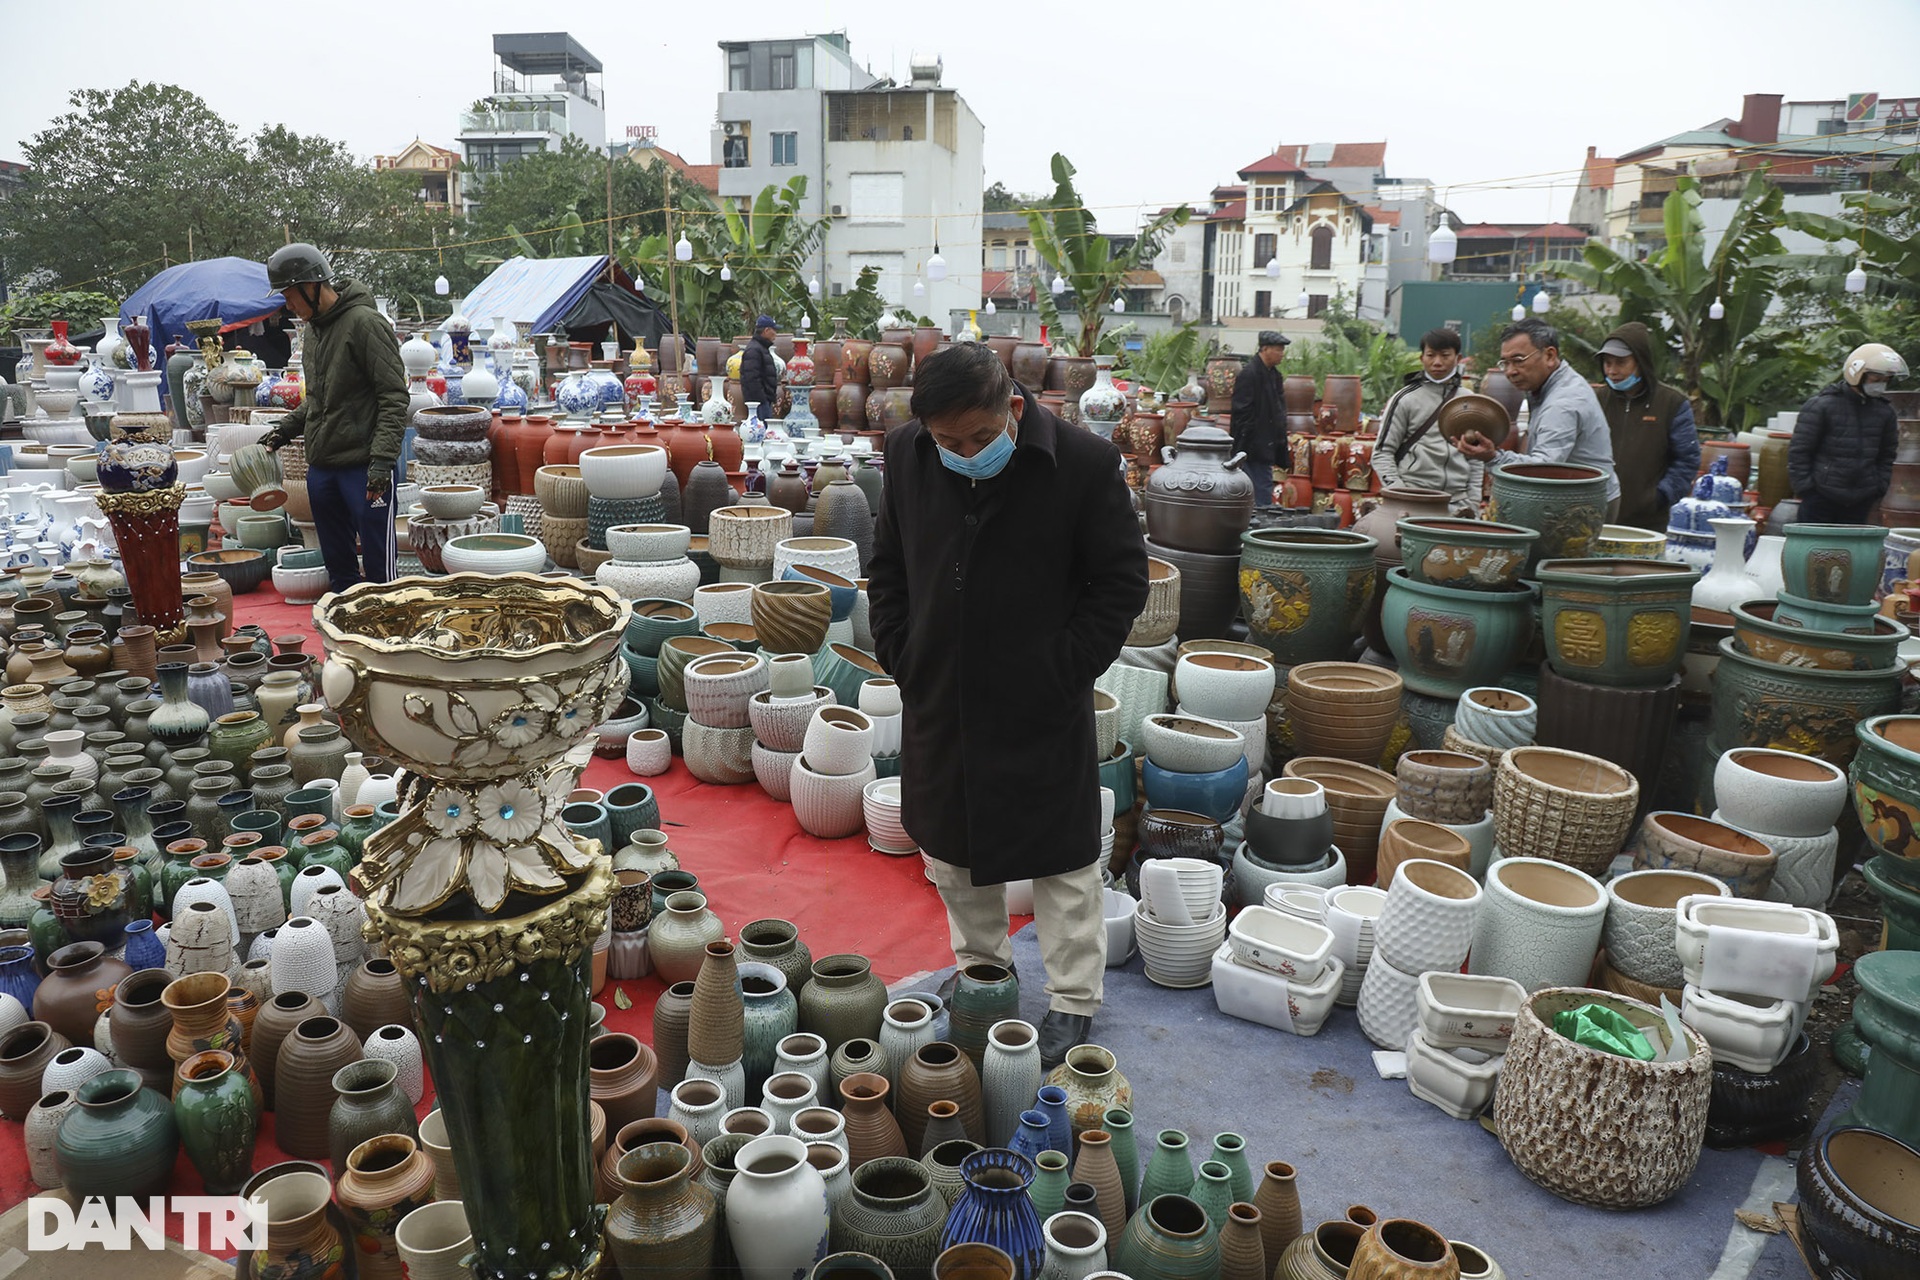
(1598, 1027)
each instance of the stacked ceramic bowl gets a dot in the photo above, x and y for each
(1193, 764)
(1277, 969)
(1233, 689)
(1357, 797)
(717, 738)
(829, 779)
(451, 447)
(780, 715)
(652, 624)
(1352, 912)
(1789, 802)
(1289, 840)
(1426, 925)
(649, 562)
(1464, 1024)
(742, 539)
(879, 701)
(623, 488)
(1346, 710)
(1642, 957)
(1451, 789)
(562, 495)
(668, 710)
(880, 803)
(1670, 841)
(1751, 970)
(1489, 721)
(1180, 921)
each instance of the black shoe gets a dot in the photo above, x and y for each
(1059, 1033)
(946, 988)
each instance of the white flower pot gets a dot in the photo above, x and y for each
(782, 724)
(1468, 1010)
(1495, 717)
(1539, 924)
(724, 602)
(1778, 793)
(303, 959)
(649, 752)
(720, 685)
(773, 770)
(1639, 933)
(1803, 876)
(1389, 1005)
(1457, 1080)
(397, 1044)
(839, 741)
(1224, 686)
(1748, 1032)
(829, 805)
(1259, 995)
(1429, 917)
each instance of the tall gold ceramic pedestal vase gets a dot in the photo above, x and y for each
(140, 496)
(487, 690)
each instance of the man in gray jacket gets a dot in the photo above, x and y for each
(1565, 423)
(1411, 453)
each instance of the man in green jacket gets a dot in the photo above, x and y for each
(353, 415)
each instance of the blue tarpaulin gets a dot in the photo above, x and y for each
(234, 289)
(533, 291)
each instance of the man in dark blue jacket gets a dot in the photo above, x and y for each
(759, 375)
(1841, 458)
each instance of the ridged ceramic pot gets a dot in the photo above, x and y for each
(1171, 1238)
(1853, 1182)
(891, 1213)
(1554, 1090)
(120, 1139)
(1539, 923)
(1566, 502)
(662, 1220)
(1304, 592)
(845, 1000)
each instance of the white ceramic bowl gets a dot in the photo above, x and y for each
(1178, 956)
(1307, 901)
(494, 553)
(1467, 1009)
(1190, 744)
(1693, 916)
(1749, 1032)
(836, 555)
(1262, 996)
(880, 801)
(782, 725)
(650, 542)
(1778, 792)
(1294, 948)
(1293, 798)
(1457, 1079)
(623, 470)
(773, 770)
(1224, 686)
(445, 501)
(193, 464)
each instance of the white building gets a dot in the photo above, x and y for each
(897, 171)
(1286, 248)
(546, 88)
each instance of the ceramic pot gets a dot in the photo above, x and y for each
(1550, 1083)
(1447, 787)
(1448, 640)
(1639, 930)
(119, 1140)
(1670, 841)
(662, 1220)
(871, 1132)
(370, 1102)
(1010, 1073)
(1470, 554)
(1539, 925)
(384, 1179)
(677, 939)
(1565, 502)
(994, 1209)
(217, 1114)
(776, 1209)
(1850, 1182)
(1760, 704)
(1304, 592)
(892, 1214)
(1886, 791)
(1616, 622)
(1170, 1237)
(1498, 718)
(304, 1092)
(1094, 1085)
(1429, 917)
(1834, 563)
(843, 1001)
(1402, 1249)
(1563, 806)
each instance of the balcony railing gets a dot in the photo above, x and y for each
(513, 122)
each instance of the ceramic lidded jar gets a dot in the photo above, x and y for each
(1200, 500)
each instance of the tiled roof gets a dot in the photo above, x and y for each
(1232, 211)
(1382, 217)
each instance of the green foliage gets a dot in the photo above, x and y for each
(1350, 345)
(1166, 361)
(1884, 225)
(861, 306)
(1582, 331)
(764, 250)
(997, 199)
(78, 307)
(1067, 242)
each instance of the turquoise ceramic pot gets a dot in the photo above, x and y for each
(1116, 774)
(1617, 622)
(1304, 592)
(119, 1140)
(1565, 501)
(1795, 611)
(656, 621)
(843, 669)
(1834, 563)
(1817, 713)
(1762, 630)
(1474, 555)
(1447, 640)
(1886, 793)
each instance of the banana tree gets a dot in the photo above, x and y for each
(1066, 241)
(763, 251)
(1723, 364)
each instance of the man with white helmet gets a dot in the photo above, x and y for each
(1841, 458)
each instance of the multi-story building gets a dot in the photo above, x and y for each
(896, 170)
(1285, 248)
(546, 88)
(435, 169)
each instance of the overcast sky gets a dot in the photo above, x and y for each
(1154, 102)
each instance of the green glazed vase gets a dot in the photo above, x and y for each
(1170, 1169)
(662, 1222)
(368, 1103)
(845, 1001)
(236, 736)
(119, 1140)
(1620, 622)
(772, 1014)
(983, 994)
(1304, 592)
(1230, 1149)
(218, 1118)
(892, 1213)
(355, 826)
(1171, 1238)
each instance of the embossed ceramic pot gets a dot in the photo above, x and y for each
(1759, 704)
(1616, 622)
(1565, 501)
(1478, 555)
(1304, 592)
(1448, 639)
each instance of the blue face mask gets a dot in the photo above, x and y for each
(1624, 384)
(984, 465)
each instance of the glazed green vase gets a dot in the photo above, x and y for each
(1230, 1149)
(1833, 563)
(356, 824)
(892, 1213)
(776, 942)
(1616, 622)
(1170, 1169)
(1304, 592)
(119, 1140)
(234, 737)
(1886, 1014)
(1758, 704)
(1565, 501)
(178, 721)
(1886, 793)
(1170, 1238)
(1213, 1192)
(1448, 640)
(845, 1001)
(983, 994)
(772, 1014)
(1118, 1123)
(217, 1117)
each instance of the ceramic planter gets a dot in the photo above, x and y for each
(1761, 630)
(720, 686)
(1813, 615)
(1853, 1185)
(1563, 806)
(1834, 563)
(1803, 875)
(1448, 787)
(1747, 1032)
(1464, 1010)
(1554, 1091)
(1405, 839)
(1357, 797)
(1498, 718)
(1279, 943)
(1448, 640)
(1159, 620)
(1476, 555)
(1540, 923)
(1566, 502)
(1429, 917)
(1679, 841)
(1388, 1005)
(1763, 922)
(1639, 929)
(1760, 704)
(1783, 792)
(1261, 995)
(1189, 744)
(1616, 622)
(1459, 1079)
(1304, 592)
(1209, 589)
(1886, 792)
(1217, 794)
(1224, 686)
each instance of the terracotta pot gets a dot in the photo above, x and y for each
(1681, 842)
(871, 1131)
(303, 1083)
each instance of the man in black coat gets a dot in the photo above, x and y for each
(759, 376)
(1260, 414)
(1007, 569)
(1841, 457)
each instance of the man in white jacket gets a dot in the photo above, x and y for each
(1565, 422)
(1411, 453)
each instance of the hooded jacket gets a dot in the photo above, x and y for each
(759, 376)
(1656, 450)
(1843, 446)
(354, 413)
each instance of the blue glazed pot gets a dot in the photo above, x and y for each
(993, 1209)
(842, 593)
(1217, 794)
(143, 949)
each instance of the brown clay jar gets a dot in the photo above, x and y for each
(717, 1018)
(935, 1071)
(274, 1023)
(141, 1022)
(386, 1178)
(374, 997)
(639, 1134)
(671, 1015)
(622, 1077)
(78, 990)
(303, 1084)
(871, 1130)
(25, 1052)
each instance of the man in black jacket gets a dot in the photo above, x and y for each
(1260, 415)
(1841, 458)
(1007, 570)
(759, 376)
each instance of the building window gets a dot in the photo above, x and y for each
(781, 71)
(1020, 257)
(733, 154)
(1265, 245)
(1263, 302)
(1322, 260)
(786, 148)
(999, 257)
(1406, 238)
(1316, 304)
(1268, 198)
(878, 198)
(737, 70)
(1176, 309)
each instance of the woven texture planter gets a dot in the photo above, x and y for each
(1563, 806)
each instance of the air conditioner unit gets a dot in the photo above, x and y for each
(730, 129)
(838, 212)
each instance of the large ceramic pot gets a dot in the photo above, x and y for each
(1616, 622)
(1856, 1206)
(1381, 523)
(1477, 555)
(1834, 563)
(1447, 639)
(1761, 630)
(1563, 806)
(1759, 704)
(120, 1140)
(1539, 923)
(1209, 592)
(1200, 500)
(1219, 375)
(1304, 592)
(1886, 791)
(1600, 1128)
(1565, 501)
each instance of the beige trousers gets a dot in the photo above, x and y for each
(1067, 915)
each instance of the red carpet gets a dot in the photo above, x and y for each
(752, 858)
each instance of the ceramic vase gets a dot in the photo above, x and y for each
(777, 1216)
(385, 1179)
(119, 1140)
(994, 1209)
(892, 1213)
(662, 1222)
(217, 1116)
(369, 1102)
(1170, 1237)
(1010, 1073)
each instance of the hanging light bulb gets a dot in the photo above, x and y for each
(806, 323)
(813, 287)
(726, 272)
(936, 265)
(1541, 301)
(1303, 302)
(1119, 303)
(1273, 268)
(1857, 279)
(441, 287)
(1443, 245)
(1718, 311)
(919, 288)
(1519, 311)
(683, 248)
(989, 308)
(1059, 285)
